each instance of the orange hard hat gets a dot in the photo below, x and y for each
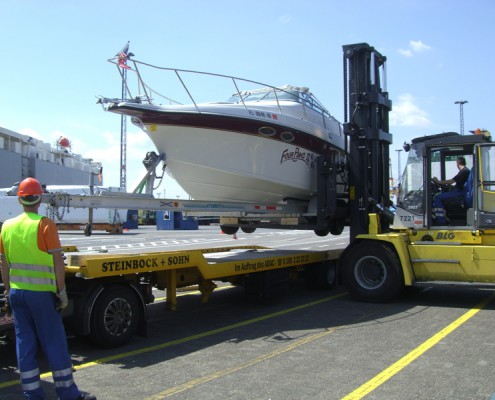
(29, 187)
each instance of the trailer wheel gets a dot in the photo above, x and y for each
(115, 317)
(322, 276)
(229, 230)
(372, 272)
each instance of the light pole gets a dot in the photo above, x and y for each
(461, 112)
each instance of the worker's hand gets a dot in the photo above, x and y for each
(8, 308)
(62, 299)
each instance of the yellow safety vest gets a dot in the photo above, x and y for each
(30, 267)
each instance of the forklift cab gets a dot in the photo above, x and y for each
(435, 156)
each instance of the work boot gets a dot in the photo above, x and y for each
(86, 396)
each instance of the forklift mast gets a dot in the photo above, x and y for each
(366, 127)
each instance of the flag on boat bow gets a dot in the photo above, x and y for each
(123, 55)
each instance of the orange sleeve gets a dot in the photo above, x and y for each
(48, 239)
(1, 245)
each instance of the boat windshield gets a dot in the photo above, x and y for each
(282, 94)
(265, 95)
(411, 190)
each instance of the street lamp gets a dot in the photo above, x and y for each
(461, 112)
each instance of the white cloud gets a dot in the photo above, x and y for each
(108, 152)
(406, 113)
(415, 46)
(405, 53)
(418, 46)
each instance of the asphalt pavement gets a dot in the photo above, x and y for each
(431, 343)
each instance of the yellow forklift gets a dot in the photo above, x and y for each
(393, 247)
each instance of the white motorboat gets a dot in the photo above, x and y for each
(260, 145)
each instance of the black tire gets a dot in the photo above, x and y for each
(245, 229)
(229, 230)
(321, 232)
(337, 226)
(88, 230)
(372, 271)
(115, 317)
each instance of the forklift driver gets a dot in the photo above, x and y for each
(456, 194)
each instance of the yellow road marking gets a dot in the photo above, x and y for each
(218, 374)
(115, 357)
(395, 368)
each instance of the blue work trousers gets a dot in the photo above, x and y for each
(439, 208)
(37, 320)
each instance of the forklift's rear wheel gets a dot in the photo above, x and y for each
(372, 271)
(246, 229)
(115, 317)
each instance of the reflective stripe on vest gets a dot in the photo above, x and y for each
(30, 267)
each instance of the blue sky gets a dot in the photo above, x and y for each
(54, 54)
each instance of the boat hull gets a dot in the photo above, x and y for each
(237, 167)
(265, 157)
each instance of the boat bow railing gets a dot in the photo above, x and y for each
(146, 94)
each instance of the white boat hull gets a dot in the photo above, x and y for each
(238, 168)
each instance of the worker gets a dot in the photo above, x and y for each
(457, 193)
(33, 274)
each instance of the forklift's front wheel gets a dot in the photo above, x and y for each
(372, 271)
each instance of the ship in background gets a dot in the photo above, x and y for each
(59, 170)
(23, 156)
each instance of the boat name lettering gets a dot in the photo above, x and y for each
(262, 114)
(124, 265)
(297, 155)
